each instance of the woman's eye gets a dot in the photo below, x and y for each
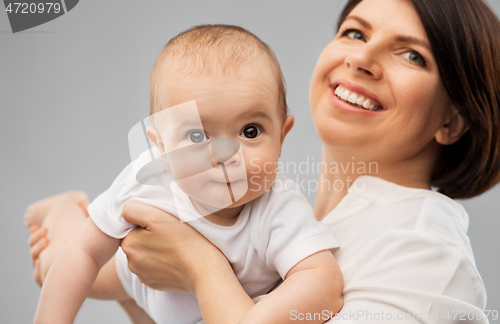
(196, 136)
(354, 34)
(251, 132)
(414, 57)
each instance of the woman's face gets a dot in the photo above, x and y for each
(380, 60)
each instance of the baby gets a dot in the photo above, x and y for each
(218, 122)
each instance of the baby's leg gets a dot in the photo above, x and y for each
(107, 285)
(61, 216)
(36, 212)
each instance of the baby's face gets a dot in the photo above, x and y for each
(243, 109)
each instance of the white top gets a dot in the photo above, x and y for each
(404, 254)
(272, 234)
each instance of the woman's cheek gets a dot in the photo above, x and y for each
(419, 106)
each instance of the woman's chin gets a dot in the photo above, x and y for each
(336, 127)
(341, 139)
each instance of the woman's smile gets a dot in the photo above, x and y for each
(356, 97)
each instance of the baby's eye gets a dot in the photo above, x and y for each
(354, 34)
(196, 136)
(414, 57)
(251, 132)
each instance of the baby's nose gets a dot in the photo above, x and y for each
(225, 151)
(197, 158)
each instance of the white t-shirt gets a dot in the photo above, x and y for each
(405, 256)
(272, 234)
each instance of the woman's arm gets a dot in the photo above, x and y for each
(169, 255)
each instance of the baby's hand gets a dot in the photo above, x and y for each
(37, 242)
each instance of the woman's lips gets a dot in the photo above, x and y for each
(348, 107)
(357, 96)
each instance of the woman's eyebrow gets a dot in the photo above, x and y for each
(399, 38)
(412, 40)
(363, 22)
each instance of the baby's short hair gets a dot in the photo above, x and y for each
(213, 49)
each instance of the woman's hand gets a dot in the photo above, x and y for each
(166, 254)
(169, 255)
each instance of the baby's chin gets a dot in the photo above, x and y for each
(216, 195)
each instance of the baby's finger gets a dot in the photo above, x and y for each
(37, 248)
(33, 228)
(36, 236)
(37, 273)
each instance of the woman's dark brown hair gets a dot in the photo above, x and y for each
(465, 40)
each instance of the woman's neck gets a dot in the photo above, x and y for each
(341, 168)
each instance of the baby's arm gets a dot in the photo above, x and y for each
(73, 273)
(314, 285)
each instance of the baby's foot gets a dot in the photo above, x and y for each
(36, 212)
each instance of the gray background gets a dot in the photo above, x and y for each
(72, 88)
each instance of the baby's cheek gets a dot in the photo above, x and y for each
(261, 172)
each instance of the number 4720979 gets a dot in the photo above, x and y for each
(23, 7)
(462, 315)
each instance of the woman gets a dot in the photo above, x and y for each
(431, 70)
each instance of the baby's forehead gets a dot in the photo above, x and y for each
(250, 65)
(250, 83)
(216, 57)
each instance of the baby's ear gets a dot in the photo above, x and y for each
(155, 137)
(286, 128)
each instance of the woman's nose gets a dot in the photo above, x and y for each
(364, 62)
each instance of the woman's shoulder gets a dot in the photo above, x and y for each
(387, 207)
(422, 204)
(445, 219)
(389, 228)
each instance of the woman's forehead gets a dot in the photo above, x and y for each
(390, 16)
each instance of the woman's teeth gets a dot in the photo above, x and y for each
(355, 99)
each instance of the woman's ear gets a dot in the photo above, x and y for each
(286, 128)
(155, 137)
(453, 128)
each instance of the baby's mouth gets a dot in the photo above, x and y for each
(218, 181)
(357, 100)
